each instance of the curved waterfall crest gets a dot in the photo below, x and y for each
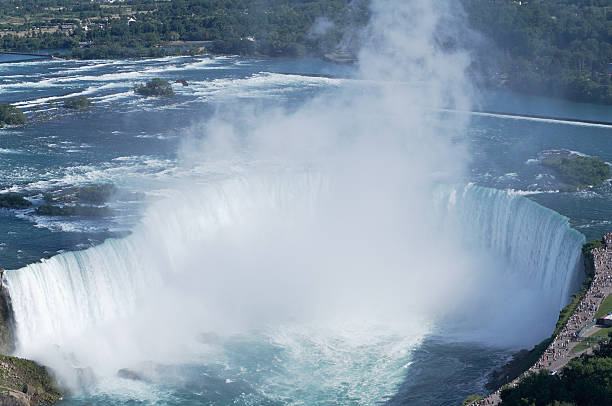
(67, 294)
(538, 242)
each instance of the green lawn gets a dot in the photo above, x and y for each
(605, 308)
(602, 332)
(581, 346)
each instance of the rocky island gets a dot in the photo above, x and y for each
(575, 170)
(11, 115)
(155, 87)
(77, 103)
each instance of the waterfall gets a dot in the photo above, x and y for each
(537, 242)
(62, 296)
(59, 298)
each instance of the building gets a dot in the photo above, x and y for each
(605, 320)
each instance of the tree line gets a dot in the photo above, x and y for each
(559, 48)
(586, 380)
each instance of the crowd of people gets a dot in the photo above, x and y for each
(558, 353)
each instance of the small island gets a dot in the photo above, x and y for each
(11, 115)
(577, 171)
(13, 201)
(77, 103)
(155, 87)
(97, 194)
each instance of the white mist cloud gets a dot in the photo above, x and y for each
(321, 26)
(325, 213)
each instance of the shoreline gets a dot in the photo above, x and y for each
(559, 351)
(342, 60)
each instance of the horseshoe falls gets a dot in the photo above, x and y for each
(182, 294)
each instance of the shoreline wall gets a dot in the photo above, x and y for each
(559, 352)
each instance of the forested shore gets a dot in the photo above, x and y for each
(556, 48)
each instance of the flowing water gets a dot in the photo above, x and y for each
(178, 285)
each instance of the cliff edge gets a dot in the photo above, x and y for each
(22, 382)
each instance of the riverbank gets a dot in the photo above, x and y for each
(560, 350)
(22, 382)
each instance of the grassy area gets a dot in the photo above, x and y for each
(605, 308)
(602, 333)
(581, 347)
(471, 399)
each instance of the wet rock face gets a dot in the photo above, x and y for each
(14, 398)
(22, 382)
(7, 320)
(25, 382)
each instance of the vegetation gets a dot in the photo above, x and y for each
(29, 378)
(587, 247)
(77, 210)
(559, 48)
(13, 201)
(96, 193)
(579, 172)
(155, 87)
(152, 28)
(585, 381)
(568, 310)
(77, 103)
(11, 115)
(471, 399)
(605, 308)
(594, 339)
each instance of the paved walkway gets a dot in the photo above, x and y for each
(559, 352)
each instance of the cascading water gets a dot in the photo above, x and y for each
(90, 293)
(530, 265)
(538, 243)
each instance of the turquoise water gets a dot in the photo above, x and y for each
(135, 143)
